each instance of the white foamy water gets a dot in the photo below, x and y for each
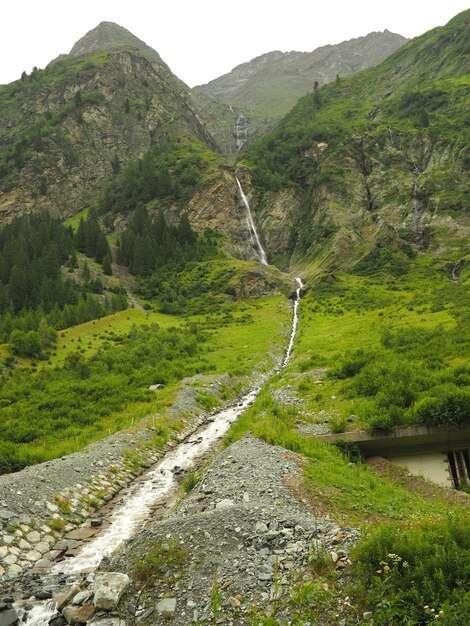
(129, 516)
(39, 614)
(295, 321)
(251, 224)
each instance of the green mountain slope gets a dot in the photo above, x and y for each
(375, 161)
(270, 85)
(66, 129)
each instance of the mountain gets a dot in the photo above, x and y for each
(65, 130)
(369, 170)
(270, 85)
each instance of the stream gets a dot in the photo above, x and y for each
(130, 516)
(159, 482)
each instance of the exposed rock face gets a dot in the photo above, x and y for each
(270, 84)
(107, 36)
(127, 105)
(241, 131)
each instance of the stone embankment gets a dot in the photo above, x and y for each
(42, 505)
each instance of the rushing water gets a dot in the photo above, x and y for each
(295, 321)
(143, 495)
(251, 224)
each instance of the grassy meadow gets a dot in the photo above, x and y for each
(96, 380)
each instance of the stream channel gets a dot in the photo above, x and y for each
(155, 485)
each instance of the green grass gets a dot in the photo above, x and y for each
(413, 326)
(74, 221)
(331, 482)
(97, 381)
(89, 337)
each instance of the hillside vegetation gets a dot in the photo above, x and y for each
(377, 162)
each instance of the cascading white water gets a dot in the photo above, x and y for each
(251, 224)
(295, 320)
(131, 515)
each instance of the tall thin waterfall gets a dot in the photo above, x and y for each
(251, 224)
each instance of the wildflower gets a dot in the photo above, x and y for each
(405, 564)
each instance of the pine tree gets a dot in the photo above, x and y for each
(106, 265)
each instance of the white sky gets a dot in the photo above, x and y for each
(203, 39)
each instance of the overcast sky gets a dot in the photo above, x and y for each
(203, 39)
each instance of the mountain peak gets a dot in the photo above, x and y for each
(111, 36)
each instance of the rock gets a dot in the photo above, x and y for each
(3, 552)
(33, 537)
(6, 514)
(166, 606)
(43, 595)
(108, 589)
(223, 505)
(367, 615)
(83, 597)
(23, 545)
(57, 620)
(9, 618)
(96, 521)
(42, 547)
(11, 559)
(107, 621)
(43, 563)
(261, 527)
(14, 570)
(155, 387)
(78, 614)
(66, 597)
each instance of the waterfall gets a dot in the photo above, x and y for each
(252, 227)
(295, 320)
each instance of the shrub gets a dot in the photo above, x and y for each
(352, 363)
(450, 408)
(164, 560)
(404, 573)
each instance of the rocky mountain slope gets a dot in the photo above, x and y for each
(65, 130)
(270, 85)
(373, 169)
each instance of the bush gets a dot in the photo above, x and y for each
(408, 575)
(450, 408)
(352, 363)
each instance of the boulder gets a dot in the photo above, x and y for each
(9, 618)
(108, 589)
(78, 614)
(66, 597)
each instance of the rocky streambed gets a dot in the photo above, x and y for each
(41, 506)
(241, 539)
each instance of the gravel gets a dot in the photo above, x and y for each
(243, 525)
